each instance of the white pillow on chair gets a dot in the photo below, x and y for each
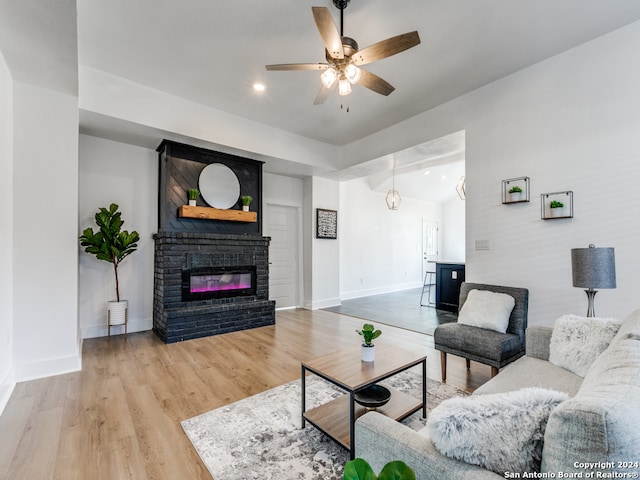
(486, 309)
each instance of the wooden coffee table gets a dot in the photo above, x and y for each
(345, 370)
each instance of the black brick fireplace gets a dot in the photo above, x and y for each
(210, 276)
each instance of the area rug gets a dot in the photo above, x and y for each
(260, 437)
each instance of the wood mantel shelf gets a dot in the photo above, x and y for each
(208, 213)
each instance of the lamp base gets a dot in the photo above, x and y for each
(591, 294)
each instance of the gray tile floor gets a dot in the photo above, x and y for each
(400, 309)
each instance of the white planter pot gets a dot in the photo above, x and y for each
(368, 353)
(557, 212)
(192, 203)
(117, 312)
(245, 208)
(515, 197)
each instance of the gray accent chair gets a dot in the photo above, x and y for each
(479, 344)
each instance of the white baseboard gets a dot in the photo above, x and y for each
(7, 384)
(101, 330)
(48, 368)
(378, 290)
(329, 302)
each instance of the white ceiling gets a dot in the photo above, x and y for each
(213, 51)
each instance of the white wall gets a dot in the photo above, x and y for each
(45, 260)
(324, 275)
(453, 233)
(282, 190)
(6, 233)
(380, 249)
(112, 172)
(569, 123)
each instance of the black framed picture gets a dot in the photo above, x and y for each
(326, 223)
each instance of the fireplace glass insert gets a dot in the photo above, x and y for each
(218, 282)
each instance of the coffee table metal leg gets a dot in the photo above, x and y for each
(352, 427)
(424, 388)
(302, 383)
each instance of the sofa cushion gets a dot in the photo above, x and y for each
(602, 422)
(501, 432)
(532, 372)
(577, 341)
(486, 309)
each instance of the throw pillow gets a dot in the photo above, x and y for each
(577, 341)
(502, 432)
(485, 309)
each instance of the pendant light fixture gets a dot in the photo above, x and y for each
(393, 197)
(461, 188)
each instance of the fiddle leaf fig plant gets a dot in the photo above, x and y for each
(369, 333)
(359, 469)
(110, 243)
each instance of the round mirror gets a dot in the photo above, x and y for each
(219, 186)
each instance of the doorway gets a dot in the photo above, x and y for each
(282, 225)
(429, 245)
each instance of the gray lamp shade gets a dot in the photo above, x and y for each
(593, 267)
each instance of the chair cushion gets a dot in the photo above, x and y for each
(486, 309)
(479, 344)
(577, 341)
(502, 432)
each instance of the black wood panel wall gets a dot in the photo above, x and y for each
(180, 167)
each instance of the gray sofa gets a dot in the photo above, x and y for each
(600, 423)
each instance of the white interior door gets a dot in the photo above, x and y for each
(282, 226)
(429, 246)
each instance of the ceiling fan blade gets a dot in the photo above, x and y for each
(375, 83)
(386, 48)
(323, 94)
(298, 66)
(328, 31)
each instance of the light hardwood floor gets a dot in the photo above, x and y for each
(119, 418)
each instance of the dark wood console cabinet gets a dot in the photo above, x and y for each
(449, 277)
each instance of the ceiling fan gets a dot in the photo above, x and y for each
(344, 59)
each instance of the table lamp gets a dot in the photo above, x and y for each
(593, 268)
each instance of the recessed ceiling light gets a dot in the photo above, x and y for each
(427, 172)
(443, 177)
(259, 87)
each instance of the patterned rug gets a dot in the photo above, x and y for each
(260, 437)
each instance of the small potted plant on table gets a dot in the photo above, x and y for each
(368, 349)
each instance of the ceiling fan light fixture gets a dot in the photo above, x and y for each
(344, 87)
(352, 73)
(329, 77)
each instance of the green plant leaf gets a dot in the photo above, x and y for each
(358, 469)
(110, 243)
(397, 471)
